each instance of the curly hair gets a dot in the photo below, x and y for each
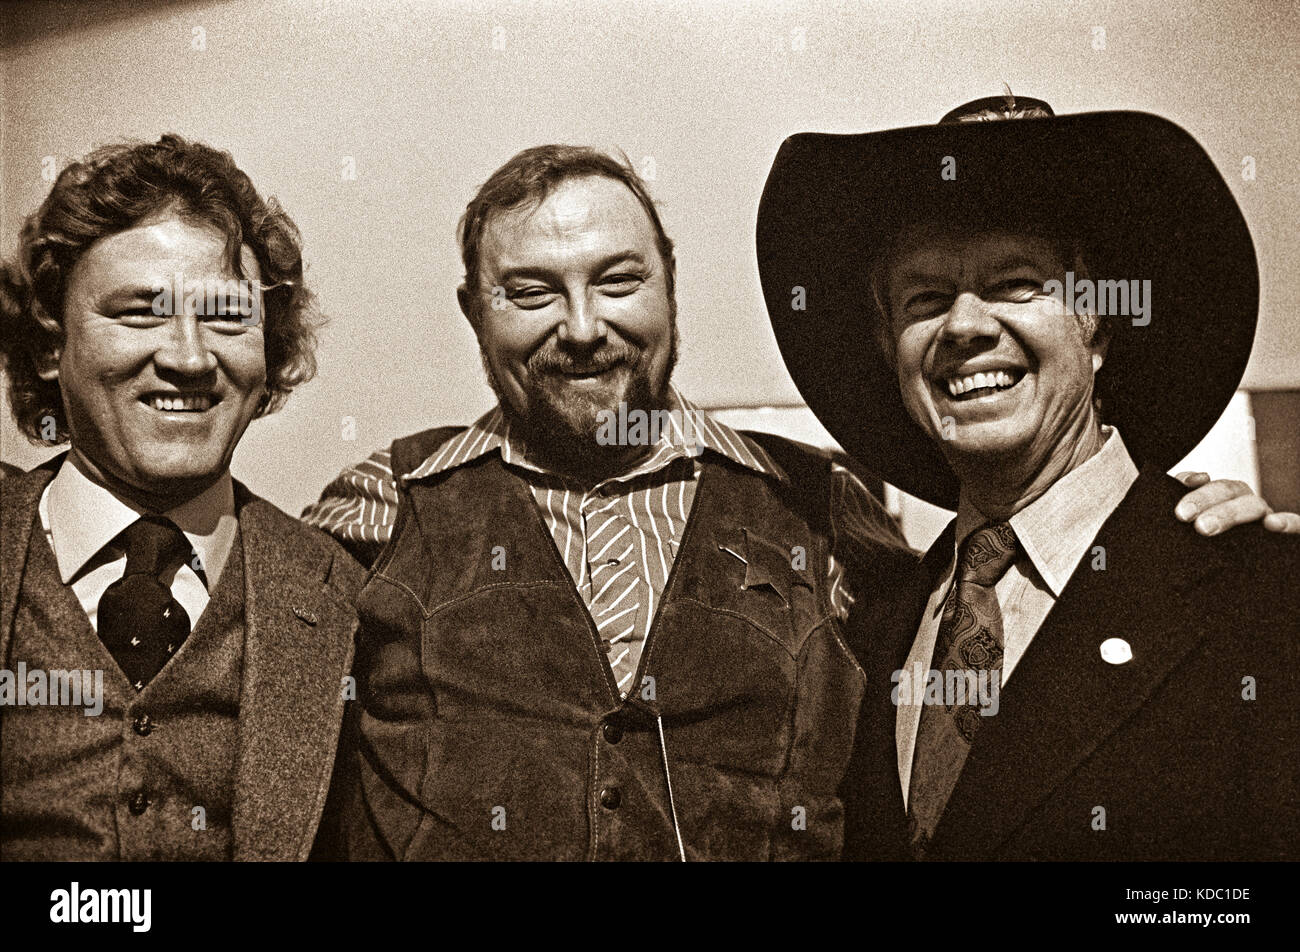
(111, 190)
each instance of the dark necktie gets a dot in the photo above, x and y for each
(970, 640)
(140, 622)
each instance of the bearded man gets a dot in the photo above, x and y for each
(601, 624)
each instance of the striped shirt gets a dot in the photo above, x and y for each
(619, 538)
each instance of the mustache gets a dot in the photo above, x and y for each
(555, 361)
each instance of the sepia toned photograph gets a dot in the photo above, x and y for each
(564, 431)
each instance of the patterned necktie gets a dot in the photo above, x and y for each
(140, 622)
(970, 640)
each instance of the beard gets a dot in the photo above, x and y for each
(562, 421)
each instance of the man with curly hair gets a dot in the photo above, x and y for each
(155, 307)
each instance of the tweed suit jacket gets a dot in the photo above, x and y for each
(300, 622)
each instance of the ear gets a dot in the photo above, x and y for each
(671, 287)
(466, 302)
(882, 324)
(1100, 344)
(1099, 347)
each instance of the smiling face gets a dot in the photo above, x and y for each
(157, 402)
(994, 369)
(574, 315)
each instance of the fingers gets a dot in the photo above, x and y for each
(1192, 480)
(1210, 495)
(1282, 522)
(1235, 511)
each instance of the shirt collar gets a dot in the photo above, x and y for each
(1056, 529)
(688, 432)
(83, 516)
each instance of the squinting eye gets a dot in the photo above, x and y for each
(531, 298)
(621, 283)
(232, 322)
(140, 316)
(1018, 289)
(927, 302)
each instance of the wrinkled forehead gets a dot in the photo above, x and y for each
(949, 250)
(582, 216)
(156, 249)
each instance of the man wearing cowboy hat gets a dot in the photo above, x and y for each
(576, 647)
(1072, 675)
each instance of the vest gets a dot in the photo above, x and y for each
(493, 725)
(151, 776)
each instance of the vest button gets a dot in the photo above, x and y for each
(610, 798)
(613, 731)
(139, 803)
(143, 725)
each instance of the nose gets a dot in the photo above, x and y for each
(970, 319)
(185, 351)
(582, 325)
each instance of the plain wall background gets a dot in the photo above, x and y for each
(428, 98)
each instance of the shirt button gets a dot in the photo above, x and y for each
(143, 725)
(610, 798)
(139, 803)
(613, 731)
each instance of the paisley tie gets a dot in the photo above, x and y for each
(970, 640)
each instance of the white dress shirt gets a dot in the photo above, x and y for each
(1055, 532)
(81, 518)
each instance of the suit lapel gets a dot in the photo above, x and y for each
(298, 648)
(1064, 700)
(19, 497)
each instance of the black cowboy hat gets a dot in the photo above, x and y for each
(1135, 191)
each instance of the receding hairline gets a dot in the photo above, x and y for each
(531, 204)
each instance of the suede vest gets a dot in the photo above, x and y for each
(122, 784)
(492, 722)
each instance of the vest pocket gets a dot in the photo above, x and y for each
(725, 689)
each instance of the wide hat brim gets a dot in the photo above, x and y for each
(1141, 194)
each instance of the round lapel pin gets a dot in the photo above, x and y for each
(1116, 651)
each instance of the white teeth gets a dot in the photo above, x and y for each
(996, 378)
(190, 403)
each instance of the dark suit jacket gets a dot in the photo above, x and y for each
(1184, 767)
(300, 589)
